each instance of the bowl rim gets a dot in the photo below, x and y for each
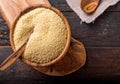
(67, 42)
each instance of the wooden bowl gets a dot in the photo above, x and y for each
(72, 58)
(68, 36)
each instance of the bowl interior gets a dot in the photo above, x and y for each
(68, 36)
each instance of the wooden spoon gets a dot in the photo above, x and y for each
(14, 56)
(89, 6)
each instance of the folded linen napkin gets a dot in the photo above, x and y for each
(104, 4)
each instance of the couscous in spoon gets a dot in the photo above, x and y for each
(89, 6)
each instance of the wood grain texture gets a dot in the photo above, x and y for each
(100, 65)
(101, 40)
(63, 6)
(104, 31)
(13, 57)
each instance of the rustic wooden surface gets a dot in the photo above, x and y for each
(101, 40)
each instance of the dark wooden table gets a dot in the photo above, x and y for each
(101, 40)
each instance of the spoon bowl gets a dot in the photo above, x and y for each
(89, 6)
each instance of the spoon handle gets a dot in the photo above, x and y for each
(13, 57)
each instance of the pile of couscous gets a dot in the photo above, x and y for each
(48, 38)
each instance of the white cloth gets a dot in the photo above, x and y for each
(104, 4)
